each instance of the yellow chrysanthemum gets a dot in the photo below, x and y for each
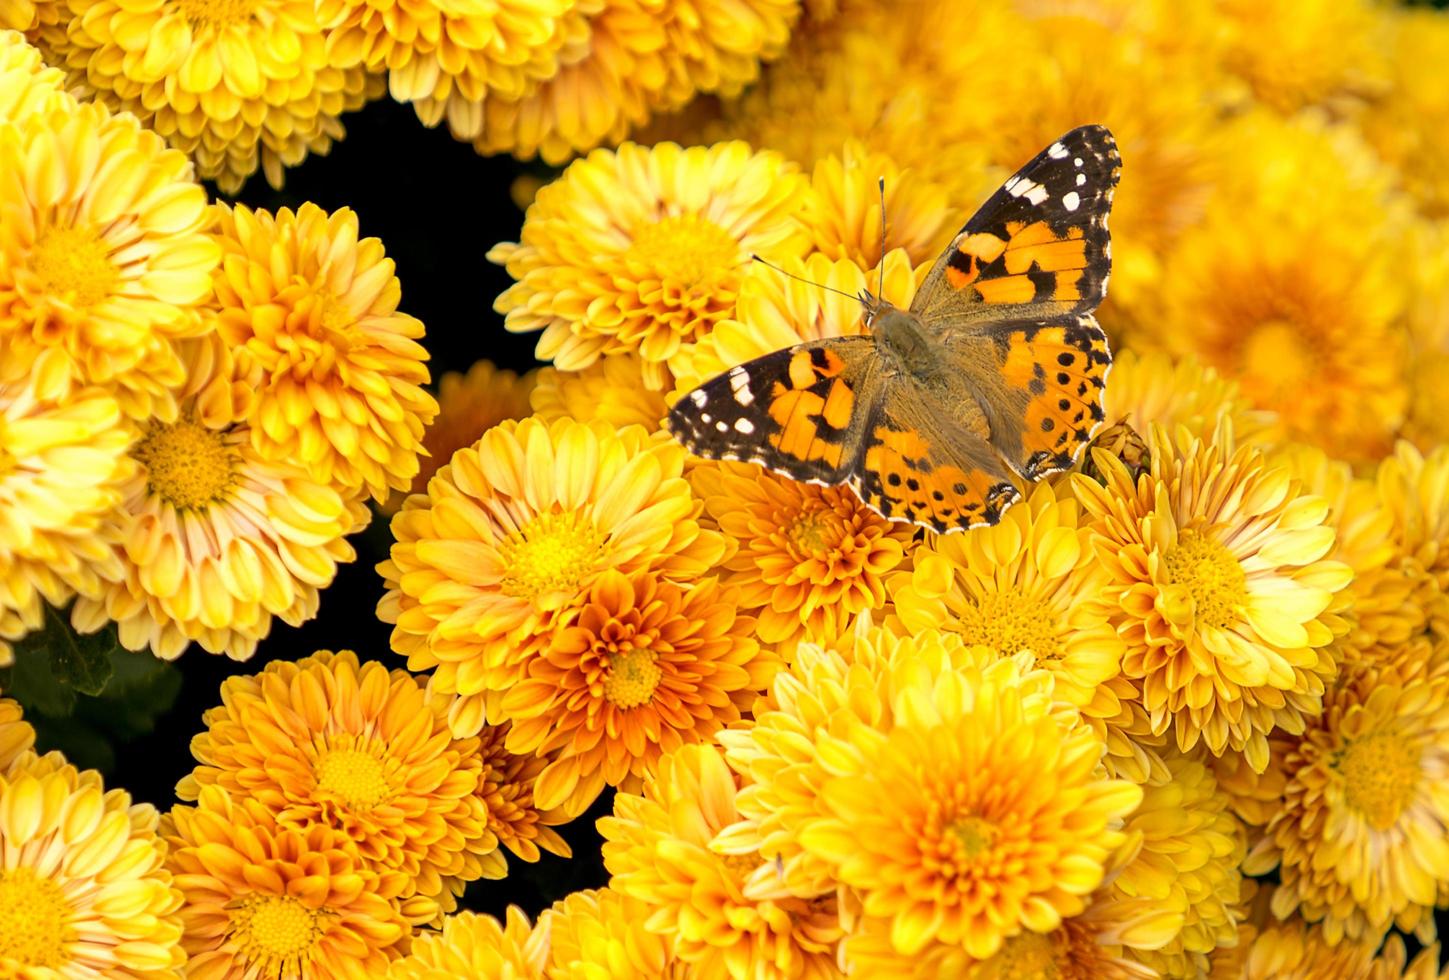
(1359, 839)
(1152, 387)
(28, 87)
(63, 463)
(657, 849)
(267, 900)
(1409, 124)
(16, 734)
(1216, 572)
(353, 747)
(642, 667)
(643, 249)
(214, 540)
(476, 946)
(629, 59)
(84, 890)
(310, 313)
(1414, 487)
(600, 934)
(235, 85)
(514, 531)
(981, 812)
(468, 405)
(1188, 845)
(611, 390)
(1032, 583)
(101, 267)
(1296, 951)
(843, 216)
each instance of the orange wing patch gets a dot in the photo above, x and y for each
(904, 477)
(1060, 371)
(1032, 264)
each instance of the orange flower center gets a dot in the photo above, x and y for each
(216, 13)
(275, 933)
(1279, 346)
(975, 836)
(1211, 586)
(632, 677)
(1380, 776)
(187, 465)
(34, 920)
(685, 252)
(1010, 622)
(73, 264)
(550, 554)
(355, 777)
(1027, 954)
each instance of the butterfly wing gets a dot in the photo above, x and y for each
(918, 463)
(797, 411)
(1039, 246)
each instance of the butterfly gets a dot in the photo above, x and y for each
(995, 372)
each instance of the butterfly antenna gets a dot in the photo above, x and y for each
(880, 288)
(808, 282)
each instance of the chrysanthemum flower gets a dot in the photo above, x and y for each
(643, 249)
(1189, 845)
(1413, 487)
(1215, 567)
(16, 734)
(600, 934)
(1295, 951)
(236, 86)
(325, 740)
(1407, 124)
(214, 540)
(642, 667)
(472, 945)
(101, 267)
(468, 405)
(843, 216)
(84, 890)
(981, 812)
(1359, 839)
(611, 389)
(514, 531)
(310, 313)
(268, 900)
(63, 463)
(657, 849)
(28, 86)
(629, 59)
(1152, 387)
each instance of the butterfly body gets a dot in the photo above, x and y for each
(994, 374)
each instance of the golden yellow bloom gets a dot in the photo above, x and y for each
(1359, 838)
(980, 813)
(236, 85)
(1152, 387)
(310, 313)
(626, 60)
(611, 389)
(468, 405)
(101, 267)
(1033, 583)
(28, 87)
(1296, 951)
(84, 890)
(643, 249)
(476, 946)
(642, 667)
(657, 849)
(1406, 124)
(63, 463)
(1216, 571)
(1413, 487)
(214, 540)
(268, 900)
(514, 531)
(324, 740)
(600, 934)
(843, 216)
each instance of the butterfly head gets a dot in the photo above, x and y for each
(875, 307)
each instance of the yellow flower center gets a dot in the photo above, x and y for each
(632, 677)
(34, 919)
(1009, 622)
(74, 263)
(356, 777)
(1278, 348)
(1027, 954)
(1380, 776)
(187, 465)
(1210, 576)
(217, 13)
(550, 554)
(275, 933)
(684, 251)
(974, 835)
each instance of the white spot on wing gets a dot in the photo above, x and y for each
(706, 417)
(743, 395)
(1056, 151)
(1081, 179)
(721, 427)
(1011, 185)
(698, 396)
(1070, 200)
(744, 425)
(1077, 161)
(1037, 194)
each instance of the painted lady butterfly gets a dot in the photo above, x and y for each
(996, 370)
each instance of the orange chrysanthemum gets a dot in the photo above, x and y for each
(642, 667)
(472, 945)
(604, 930)
(611, 390)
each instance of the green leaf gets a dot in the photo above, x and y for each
(80, 660)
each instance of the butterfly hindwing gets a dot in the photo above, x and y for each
(796, 410)
(1039, 245)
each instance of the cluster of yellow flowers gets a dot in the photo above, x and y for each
(1182, 713)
